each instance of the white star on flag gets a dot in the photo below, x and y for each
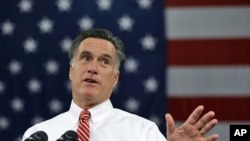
(132, 104)
(52, 67)
(155, 119)
(2, 87)
(17, 104)
(15, 67)
(145, 4)
(4, 123)
(64, 5)
(34, 85)
(66, 44)
(125, 23)
(148, 42)
(151, 85)
(30, 45)
(55, 106)
(85, 23)
(131, 65)
(25, 6)
(104, 5)
(36, 119)
(116, 88)
(19, 138)
(68, 85)
(7, 28)
(45, 25)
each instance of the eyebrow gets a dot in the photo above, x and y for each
(90, 53)
(107, 56)
(85, 52)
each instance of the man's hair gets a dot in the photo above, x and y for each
(101, 34)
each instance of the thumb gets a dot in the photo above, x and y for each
(170, 124)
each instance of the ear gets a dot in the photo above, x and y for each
(70, 72)
(117, 75)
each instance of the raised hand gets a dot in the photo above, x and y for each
(194, 128)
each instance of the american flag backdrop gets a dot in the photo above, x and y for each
(180, 54)
(35, 36)
(208, 59)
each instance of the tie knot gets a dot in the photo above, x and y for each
(85, 115)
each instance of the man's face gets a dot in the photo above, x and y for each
(93, 73)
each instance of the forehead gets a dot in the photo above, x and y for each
(97, 45)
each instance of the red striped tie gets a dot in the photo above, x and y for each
(83, 127)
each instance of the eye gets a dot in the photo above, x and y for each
(105, 61)
(85, 57)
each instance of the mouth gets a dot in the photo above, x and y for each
(89, 80)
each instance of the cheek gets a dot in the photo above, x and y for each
(75, 74)
(112, 79)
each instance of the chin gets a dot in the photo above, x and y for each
(89, 94)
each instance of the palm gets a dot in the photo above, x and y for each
(191, 129)
(186, 134)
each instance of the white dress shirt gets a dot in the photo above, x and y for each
(106, 124)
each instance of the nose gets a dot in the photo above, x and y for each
(92, 68)
(92, 71)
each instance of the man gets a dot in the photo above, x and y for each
(95, 58)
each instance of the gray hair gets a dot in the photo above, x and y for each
(101, 34)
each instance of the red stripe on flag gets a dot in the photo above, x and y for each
(230, 109)
(208, 52)
(170, 3)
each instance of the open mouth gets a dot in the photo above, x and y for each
(90, 80)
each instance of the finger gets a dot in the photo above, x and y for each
(194, 116)
(212, 137)
(170, 124)
(204, 119)
(209, 125)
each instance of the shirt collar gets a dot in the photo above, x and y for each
(75, 111)
(98, 112)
